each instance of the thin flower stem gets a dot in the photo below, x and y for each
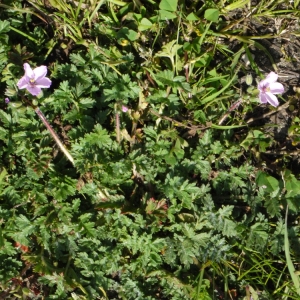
(234, 106)
(118, 127)
(54, 135)
(52, 132)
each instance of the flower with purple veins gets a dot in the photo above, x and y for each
(268, 88)
(34, 80)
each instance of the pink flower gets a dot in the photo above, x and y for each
(268, 88)
(124, 108)
(34, 80)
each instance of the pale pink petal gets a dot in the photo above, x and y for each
(263, 98)
(268, 88)
(124, 108)
(43, 82)
(34, 80)
(276, 88)
(28, 71)
(272, 77)
(262, 85)
(33, 90)
(22, 83)
(40, 72)
(272, 99)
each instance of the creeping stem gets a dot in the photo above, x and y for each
(54, 135)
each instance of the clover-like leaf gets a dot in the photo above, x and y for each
(169, 5)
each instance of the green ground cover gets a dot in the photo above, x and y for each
(174, 173)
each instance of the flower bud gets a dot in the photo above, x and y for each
(249, 79)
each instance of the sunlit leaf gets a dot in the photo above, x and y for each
(212, 15)
(170, 5)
